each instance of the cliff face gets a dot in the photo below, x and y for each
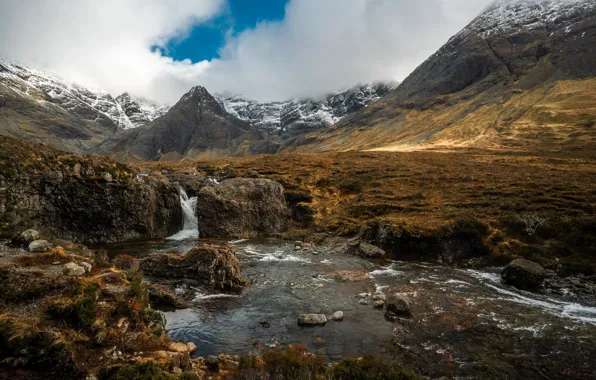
(520, 75)
(83, 199)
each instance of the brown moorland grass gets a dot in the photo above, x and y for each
(432, 189)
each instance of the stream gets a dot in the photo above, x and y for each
(464, 322)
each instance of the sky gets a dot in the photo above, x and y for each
(262, 49)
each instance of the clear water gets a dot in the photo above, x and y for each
(464, 323)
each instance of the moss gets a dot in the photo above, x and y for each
(79, 311)
(25, 346)
(371, 368)
(138, 371)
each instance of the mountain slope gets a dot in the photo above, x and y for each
(522, 74)
(197, 126)
(41, 107)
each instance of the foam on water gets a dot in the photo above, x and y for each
(281, 257)
(552, 306)
(190, 229)
(386, 272)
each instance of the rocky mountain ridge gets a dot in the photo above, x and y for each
(197, 126)
(296, 116)
(521, 75)
(123, 112)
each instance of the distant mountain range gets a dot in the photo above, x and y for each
(519, 76)
(76, 118)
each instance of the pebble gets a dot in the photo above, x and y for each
(363, 302)
(338, 316)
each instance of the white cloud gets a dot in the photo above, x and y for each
(320, 46)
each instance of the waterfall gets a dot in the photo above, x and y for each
(190, 230)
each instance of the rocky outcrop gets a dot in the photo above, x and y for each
(523, 274)
(451, 244)
(81, 199)
(242, 207)
(212, 265)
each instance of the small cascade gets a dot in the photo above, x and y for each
(190, 230)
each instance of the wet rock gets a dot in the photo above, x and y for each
(216, 265)
(378, 296)
(379, 304)
(370, 251)
(312, 320)
(242, 207)
(523, 274)
(72, 269)
(160, 295)
(398, 304)
(39, 246)
(348, 276)
(338, 316)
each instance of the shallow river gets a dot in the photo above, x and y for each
(464, 323)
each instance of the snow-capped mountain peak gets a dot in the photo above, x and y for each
(124, 112)
(297, 116)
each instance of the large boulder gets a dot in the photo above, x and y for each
(242, 207)
(398, 304)
(523, 274)
(213, 265)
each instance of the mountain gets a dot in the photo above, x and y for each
(42, 107)
(198, 126)
(294, 117)
(521, 75)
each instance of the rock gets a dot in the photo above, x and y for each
(113, 290)
(92, 211)
(298, 244)
(379, 304)
(183, 350)
(242, 207)
(348, 276)
(363, 302)
(338, 316)
(523, 274)
(212, 363)
(398, 304)
(312, 320)
(73, 269)
(371, 251)
(215, 265)
(192, 348)
(26, 237)
(379, 297)
(88, 267)
(39, 246)
(107, 177)
(173, 357)
(160, 295)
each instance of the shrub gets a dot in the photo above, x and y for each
(371, 368)
(139, 371)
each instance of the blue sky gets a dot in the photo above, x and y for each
(204, 41)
